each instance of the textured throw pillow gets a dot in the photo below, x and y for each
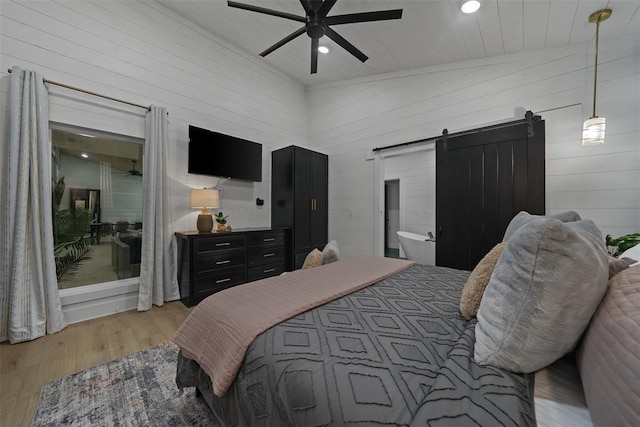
(523, 218)
(477, 282)
(331, 252)
(609, 357)
(616, 265)
(545, 287)
(314, 259)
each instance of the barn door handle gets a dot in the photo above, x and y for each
(440, 231)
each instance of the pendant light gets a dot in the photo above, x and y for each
(594, 127)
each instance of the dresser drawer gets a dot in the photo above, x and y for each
(216, 261)
(206, 285)
(218, 243)
(267, 270)
(266, 238)
(265, 255)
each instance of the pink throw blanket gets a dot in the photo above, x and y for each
(220, 329)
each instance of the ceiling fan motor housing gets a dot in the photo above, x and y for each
(315, 27)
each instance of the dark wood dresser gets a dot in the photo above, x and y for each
(211, 262)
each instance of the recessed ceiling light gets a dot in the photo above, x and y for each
(323, 49)
(470, 6)
(85, 155)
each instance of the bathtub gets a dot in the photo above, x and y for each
(416, 248)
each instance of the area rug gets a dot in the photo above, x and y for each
(136, 390)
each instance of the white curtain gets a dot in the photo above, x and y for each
(29, 300)
(158, 280)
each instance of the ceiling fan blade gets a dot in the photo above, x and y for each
(315, 4)
(306, 4)
(345, 44)
(352, 18)
(266, 11)
(326, 7)
(314, 55)
(284, 41)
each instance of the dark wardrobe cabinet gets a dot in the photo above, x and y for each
(299, 197)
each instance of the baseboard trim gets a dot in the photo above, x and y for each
(92, 301)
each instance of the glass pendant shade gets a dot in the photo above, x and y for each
(593, 131)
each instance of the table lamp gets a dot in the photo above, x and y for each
(204, 199)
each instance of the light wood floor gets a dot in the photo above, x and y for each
(25, 367)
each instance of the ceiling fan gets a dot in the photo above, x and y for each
(317, 24)
(133, 171)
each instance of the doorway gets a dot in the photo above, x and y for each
(391, 218)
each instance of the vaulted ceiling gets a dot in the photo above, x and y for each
(431, 32)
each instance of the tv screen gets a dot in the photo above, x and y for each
(213, 153)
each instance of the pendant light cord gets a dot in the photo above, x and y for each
(595, 73)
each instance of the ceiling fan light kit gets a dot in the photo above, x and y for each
(593, 129)
(470, 6)
(317, 24)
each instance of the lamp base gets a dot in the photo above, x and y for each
(205, 223)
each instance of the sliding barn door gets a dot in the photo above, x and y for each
(483, 179)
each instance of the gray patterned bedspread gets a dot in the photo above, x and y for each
(397, 353)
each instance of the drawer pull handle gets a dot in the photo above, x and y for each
(270, 270)
(223, 280)
(268, 255)
(270, 239)
(223, 244)
(226, 261)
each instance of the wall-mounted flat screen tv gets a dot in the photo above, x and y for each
(216, 154)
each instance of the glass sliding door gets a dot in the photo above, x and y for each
(97, 206)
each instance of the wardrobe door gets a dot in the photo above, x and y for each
(319, 205)
(302, 202)
(282, 188)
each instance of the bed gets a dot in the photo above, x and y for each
(372, 341)
(397, 352)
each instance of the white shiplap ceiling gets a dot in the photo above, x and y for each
(431, 32)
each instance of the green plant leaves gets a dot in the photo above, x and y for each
(221, 218)
(70, 229)
(618, 246)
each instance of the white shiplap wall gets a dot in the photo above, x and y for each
(144, 53)
(348, 119)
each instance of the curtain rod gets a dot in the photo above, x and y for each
(464, 132)
(146, 107)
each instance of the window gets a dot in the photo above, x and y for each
(97, 198)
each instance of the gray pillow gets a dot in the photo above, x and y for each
(524, 217)
(331, 252)
(544, 289)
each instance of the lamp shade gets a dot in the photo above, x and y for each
(593, 131)
(204, 198)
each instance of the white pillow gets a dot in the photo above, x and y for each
(633, 253)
